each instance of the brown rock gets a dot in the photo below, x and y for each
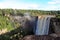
(38, 37)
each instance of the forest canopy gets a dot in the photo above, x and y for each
(32, 12)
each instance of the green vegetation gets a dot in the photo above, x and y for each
(32, 12)
(4, 23)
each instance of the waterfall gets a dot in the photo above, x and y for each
(42, 26)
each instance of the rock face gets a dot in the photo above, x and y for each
(28, 24)
(55, 25)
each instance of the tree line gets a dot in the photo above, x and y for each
(32, 12)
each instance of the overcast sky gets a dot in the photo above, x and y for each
(31, 4)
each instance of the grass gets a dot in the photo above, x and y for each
(5, 23)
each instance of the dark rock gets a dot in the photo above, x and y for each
(38, 37)
(54, 25)
(57, 38)
(28, 24)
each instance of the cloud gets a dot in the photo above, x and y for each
(17, 5)
(51, 8)
(53, 5)
(51, 2)
(54, 2)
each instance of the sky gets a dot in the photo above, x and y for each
(31, 4)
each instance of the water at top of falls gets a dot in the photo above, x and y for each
(43, 26)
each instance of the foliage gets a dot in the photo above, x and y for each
(32, 12)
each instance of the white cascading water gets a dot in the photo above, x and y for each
(42, 26)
